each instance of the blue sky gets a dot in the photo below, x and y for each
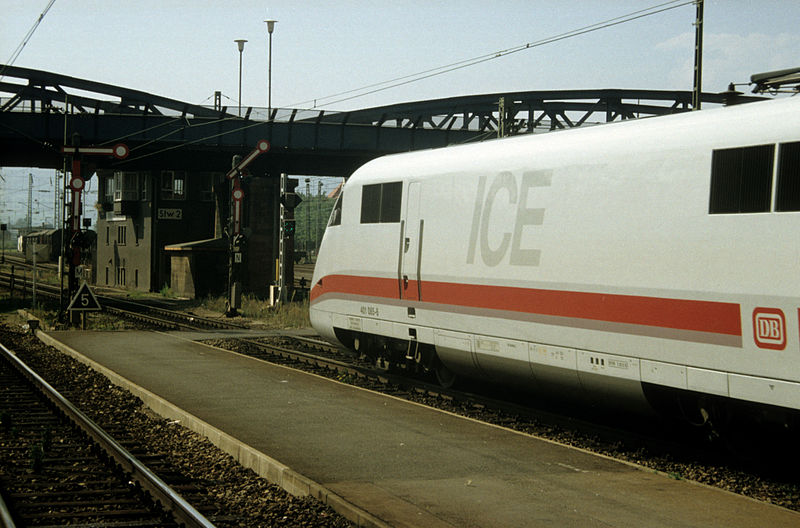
(185, 49)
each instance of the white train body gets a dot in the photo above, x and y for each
(592, 259)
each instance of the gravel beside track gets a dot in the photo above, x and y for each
(237, 491)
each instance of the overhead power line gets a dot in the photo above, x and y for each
(18, 50)
(408, 79)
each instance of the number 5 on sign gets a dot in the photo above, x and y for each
(84, 300)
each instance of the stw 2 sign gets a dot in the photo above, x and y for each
(170, 214)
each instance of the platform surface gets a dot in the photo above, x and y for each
(406, 464)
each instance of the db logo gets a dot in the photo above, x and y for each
(769, 328)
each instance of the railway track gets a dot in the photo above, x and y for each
(61, 468)
(124, 308)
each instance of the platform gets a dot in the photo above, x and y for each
(384, 461)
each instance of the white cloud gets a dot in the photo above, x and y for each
(729, 57)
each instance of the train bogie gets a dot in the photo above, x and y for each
(626, 261)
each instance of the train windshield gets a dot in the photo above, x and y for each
(336, 213)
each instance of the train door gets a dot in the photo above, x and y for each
(411, 250)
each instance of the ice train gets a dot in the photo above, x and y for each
(652, 260)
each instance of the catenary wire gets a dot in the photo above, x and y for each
(25, 40)
(426, 74)
(400, 81)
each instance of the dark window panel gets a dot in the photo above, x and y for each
(391, 198)
(741, 179)
(371, 204)
(788, 191)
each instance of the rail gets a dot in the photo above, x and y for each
(160, 491)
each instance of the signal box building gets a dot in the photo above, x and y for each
(140, 214)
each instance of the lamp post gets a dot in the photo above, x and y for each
(3, 228)
(240, 43)
(270, 29)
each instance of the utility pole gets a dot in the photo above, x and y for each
(57, 179)
(698, 56)
(319, 219)
(29, 217)
(308, 217)
(501, 117)
(282, 244)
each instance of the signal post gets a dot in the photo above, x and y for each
(236, 239)
(288, 201)
(73, 239)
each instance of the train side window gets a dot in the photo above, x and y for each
(371, 204)
(336, 213)
(380, 202)
(391, 197)
(788, 187)
(741, 179)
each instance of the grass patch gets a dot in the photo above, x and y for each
(288, 315)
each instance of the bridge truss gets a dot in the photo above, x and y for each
(34, 106)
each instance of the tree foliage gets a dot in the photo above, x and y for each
(311, 217)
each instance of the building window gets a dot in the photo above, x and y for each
(380, 202)
(741, 179)
(125, 186)
(120, 276)
(136, 278)
(207, 180)
(108, 191)
(106, 275)
(122, 235)
(173, 185)
(108, 235)
(787, 196)
(144, 186)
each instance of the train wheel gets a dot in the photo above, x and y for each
(444, 375)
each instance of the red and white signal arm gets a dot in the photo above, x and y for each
(119, 151)
(262, 146)
(76, 183)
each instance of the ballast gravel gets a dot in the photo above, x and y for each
(238, 492)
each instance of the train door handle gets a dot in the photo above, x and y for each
(407, 245)
(405, 282)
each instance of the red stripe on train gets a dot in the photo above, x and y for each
(681, 314)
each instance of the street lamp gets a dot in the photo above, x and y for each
(270, 29)
(240, 43)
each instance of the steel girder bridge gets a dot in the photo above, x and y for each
(40, 111)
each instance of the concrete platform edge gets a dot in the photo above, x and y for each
(264, 466)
